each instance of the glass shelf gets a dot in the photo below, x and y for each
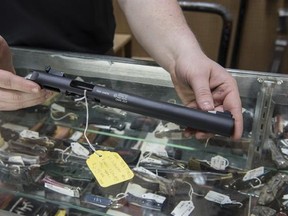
(177, 165)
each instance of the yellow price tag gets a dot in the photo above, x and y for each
(61, 212)
(109, 168)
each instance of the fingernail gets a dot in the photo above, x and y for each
(35, 90)
(207, 106)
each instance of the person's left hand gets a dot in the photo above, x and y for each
(5, 56)
(15, 91)
(202, 83)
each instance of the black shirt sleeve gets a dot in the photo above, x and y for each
(67, 25)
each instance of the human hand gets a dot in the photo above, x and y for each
(202, 83)
(16, 92)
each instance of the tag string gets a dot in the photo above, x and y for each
(18, 168)
(2, 163)
(146, 155)
(211, 165)
(63, 152)
(52, 112)
(237, 203)
(191, 191)
(119, 196)
(257, 186)
(207, 141)
(87, 121)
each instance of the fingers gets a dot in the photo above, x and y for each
(5, 56)
(215, 89)
(198, 134)
(191, 82)
(232, 103)
(14, 82)
(14, 100)
(203, 94)
(16, 92)
(226, 97)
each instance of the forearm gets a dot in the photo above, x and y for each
(160, 27)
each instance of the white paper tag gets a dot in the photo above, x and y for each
(136, 189)
(156, 197)
(14, 127)
(58, 108)
(76, 136)
(218, 162)
(16, 159)
(176, 135)
(184, 208)
(29, 134)
(62, 190)
(217, 197)
(155, 148)
(252, 174)
(284, 142)
(284, 151)
(78, 149)
(146, 171)
(151, 161)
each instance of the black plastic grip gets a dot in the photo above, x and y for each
(220, 123)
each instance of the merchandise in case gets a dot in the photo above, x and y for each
(109, 142)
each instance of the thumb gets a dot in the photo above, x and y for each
(5, 56)
(203, 94)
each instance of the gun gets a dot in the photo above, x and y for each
(216, 122)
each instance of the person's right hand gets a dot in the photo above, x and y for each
(16, 92)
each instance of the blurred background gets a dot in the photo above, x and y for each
(239, 34)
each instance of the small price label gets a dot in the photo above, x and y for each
(151, 161)
(284, 151)
(217, 197)
(144, 170)
(78, 149)
(109, 168)
(58, 108)
(16, 159)
(76, 136)
(251, 174)
(218, 162)
(184, 208)
(156, 197)
(29, 134)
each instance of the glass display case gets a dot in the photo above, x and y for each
(44, 150)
